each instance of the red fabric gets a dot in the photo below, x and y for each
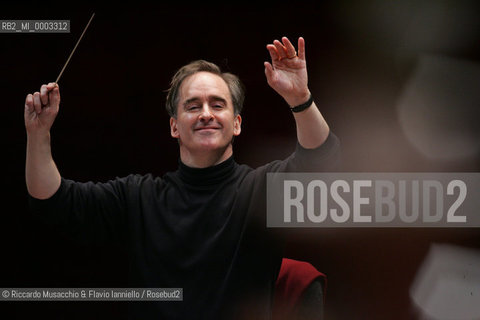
(294, 277)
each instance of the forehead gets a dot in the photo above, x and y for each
(203, 84)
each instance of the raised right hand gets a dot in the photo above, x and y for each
(41, 108)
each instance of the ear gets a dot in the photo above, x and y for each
(173, 128)
(237, 125)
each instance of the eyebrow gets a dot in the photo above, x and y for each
(210, 98)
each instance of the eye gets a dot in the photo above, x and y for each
(218, 106)
(192, 107)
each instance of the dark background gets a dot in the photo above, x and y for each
(112, 122)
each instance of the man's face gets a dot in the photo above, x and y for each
(205, 117)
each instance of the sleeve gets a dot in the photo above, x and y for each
(89, 213)
(322, 159)
(325, 158)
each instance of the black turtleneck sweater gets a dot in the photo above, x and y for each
(203, 230)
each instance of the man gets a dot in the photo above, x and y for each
(202, 227)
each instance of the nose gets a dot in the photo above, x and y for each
(206, 115)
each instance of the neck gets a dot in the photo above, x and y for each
(204, 159)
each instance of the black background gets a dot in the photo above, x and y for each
(112, 122)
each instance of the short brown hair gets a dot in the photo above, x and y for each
(235, 86)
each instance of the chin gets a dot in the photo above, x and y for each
(211, 145)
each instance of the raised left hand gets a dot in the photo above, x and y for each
(287, 74)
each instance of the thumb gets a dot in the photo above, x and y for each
(54, 97)
(268, 70)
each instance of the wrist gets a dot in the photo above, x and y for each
(301, 107)
(298, 99)
(38, 136)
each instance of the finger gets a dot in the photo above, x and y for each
(51, 85)
(291, 53)
(44, 94)
(54, 97)
(37, 103)
(29, 103)
(280, 49)
(273, 52)
(301, 48)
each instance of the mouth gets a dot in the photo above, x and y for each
(207, 129)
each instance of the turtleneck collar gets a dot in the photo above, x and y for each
(206, 176)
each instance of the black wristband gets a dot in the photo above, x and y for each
(304, 105)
